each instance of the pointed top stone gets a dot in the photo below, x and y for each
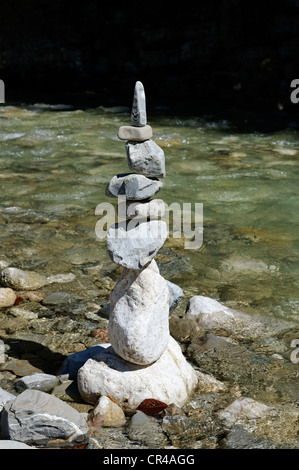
(138, 115)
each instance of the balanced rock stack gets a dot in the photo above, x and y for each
(139, 304)
(143, 361)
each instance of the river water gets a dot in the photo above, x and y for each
(55, 163)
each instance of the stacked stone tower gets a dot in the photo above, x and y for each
(139, 303)
(143, 360)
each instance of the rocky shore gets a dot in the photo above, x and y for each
(247, 393)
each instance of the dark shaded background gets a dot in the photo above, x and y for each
(225, 53)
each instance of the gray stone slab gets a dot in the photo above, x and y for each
(133, 187)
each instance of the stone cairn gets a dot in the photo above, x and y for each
(143, 360)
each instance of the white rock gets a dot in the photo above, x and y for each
(243, 410)
(7, 297)
(136, 134)
(216, 318)
(139, 311)
(134, 244)
(110, 413)
(170, 379)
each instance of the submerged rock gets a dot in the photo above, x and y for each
(221, 320)
(22, 280)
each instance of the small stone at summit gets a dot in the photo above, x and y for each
(134, 187)
(134, 245)
(137, 134)
(146, 158)
(138, 115)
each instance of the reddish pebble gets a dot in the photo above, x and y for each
(151, 406)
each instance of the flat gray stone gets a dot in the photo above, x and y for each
(146, 158)
(135, 245)
(137, 134)
(138, 114)
(43, 382)
(37, 418)
(133, 187)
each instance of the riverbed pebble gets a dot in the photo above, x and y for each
(7, 297)
(109, 412)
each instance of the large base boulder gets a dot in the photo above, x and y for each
(170, 379)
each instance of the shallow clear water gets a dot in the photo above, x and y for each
(55, 163)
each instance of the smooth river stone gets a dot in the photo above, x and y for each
(134, 244)
(138, 114)
(133, 187)
(170, 379)
(137, 134)
(146, 158)
(139, 311)
(154, 209)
